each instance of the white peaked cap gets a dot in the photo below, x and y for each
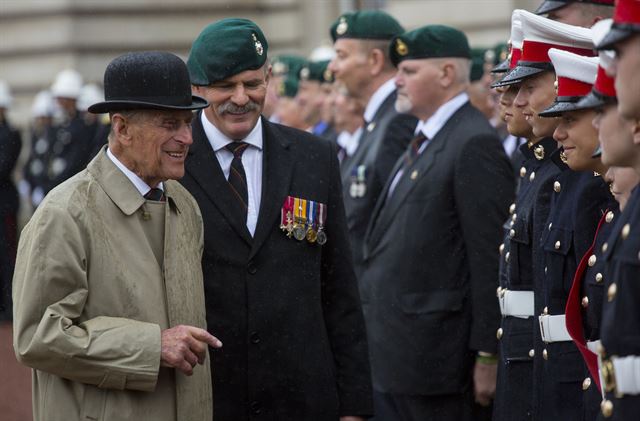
(43, 105)
(5, 95)
(541, 29)
(574, 66)
(68, 84)
(89, 95)
(516, 29)
(598, 32)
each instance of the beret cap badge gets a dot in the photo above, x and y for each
(401, 47)
(258, 45)
(342, 26)
(327, 75)
(305, 73)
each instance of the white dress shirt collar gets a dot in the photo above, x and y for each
(138, 182)
(349, 141)
(219, 140)
(378, 98)
(432, 126)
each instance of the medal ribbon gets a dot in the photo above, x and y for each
(311, 205)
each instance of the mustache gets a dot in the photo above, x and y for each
(230, 107)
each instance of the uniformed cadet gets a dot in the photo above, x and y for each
(72, 137)
(620, 330)
(315, 77)
(534, 74)
(10, 145)
(576, 12)
(362, 64)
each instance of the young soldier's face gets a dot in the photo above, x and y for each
(536, 94)
(517, 125)
(579, 139)
(626, 69)
(615, 135)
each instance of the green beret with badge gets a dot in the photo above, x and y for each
(366, 24)
(285, 64)
(431, 41)
(288, 86)
(226, 48)
(478, 56)
(317, 71)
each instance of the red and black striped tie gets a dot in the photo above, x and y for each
(155, 194)
(237, 176)
(414, 148)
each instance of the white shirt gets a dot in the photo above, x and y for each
(378, 98)
(140, 185)
(251, 161)
(432, 126)
(349, 141)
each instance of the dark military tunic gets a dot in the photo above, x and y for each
(515, 369)
(10, 144)
(578, 202)
(620, 328)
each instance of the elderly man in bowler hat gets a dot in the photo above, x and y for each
(278, 277)
(108, 295)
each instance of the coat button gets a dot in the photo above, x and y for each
(550, 225)
(586, 383)
(605, 246)
(625, 231)
(609, 217)
(512, 233)
(251, 268)
(254, 337)
(592, 260)
(512, 208)
(545, 311)
(532, 353)
(532, 176)
(598, 277)
(523, 171)
(501, 249)
(506, 257)
(611, 292)
(256, 407)
(585, 302)
(557, 245)
(545, 354)
(557, 187)
(607, 408)
(514, 217)
(499, 333)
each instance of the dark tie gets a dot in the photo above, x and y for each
(237, 176)
(414, 148)
(155, 194)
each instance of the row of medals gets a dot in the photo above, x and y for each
(300, 230)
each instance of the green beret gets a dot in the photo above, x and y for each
(431, 41)
(500, 53)
(318, 71)
(288, 86)
(286, 64)
(366, 24)
(224, 49)
(477, 63)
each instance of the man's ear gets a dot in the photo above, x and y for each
(447, 74)
(121, 127)
(376, 61)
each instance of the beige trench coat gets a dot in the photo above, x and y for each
(91, 299)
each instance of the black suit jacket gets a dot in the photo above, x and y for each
(431, 262)
(383, 140)
(287, 312)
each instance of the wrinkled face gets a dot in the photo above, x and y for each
(350, 65)
(418, 87)
(235, 103)
(579, 139)
(615, 136)
(627, 82)
(158, 145)
(536, 94)
(516, 123)
(310, 98)
(623, 180)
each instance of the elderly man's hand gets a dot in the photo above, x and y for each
(185, 346)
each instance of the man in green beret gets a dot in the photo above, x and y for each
(282, 67)
(362, 65)
(315, 86)
(279, 282)
(430, 265)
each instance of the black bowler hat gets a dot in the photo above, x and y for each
(147, 80)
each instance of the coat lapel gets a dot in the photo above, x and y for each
(205, 169)
(277, 170)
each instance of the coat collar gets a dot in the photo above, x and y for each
(119, 188)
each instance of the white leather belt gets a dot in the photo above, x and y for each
(553, 328)
(593, 347)
(627, 374)
(516, 303)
